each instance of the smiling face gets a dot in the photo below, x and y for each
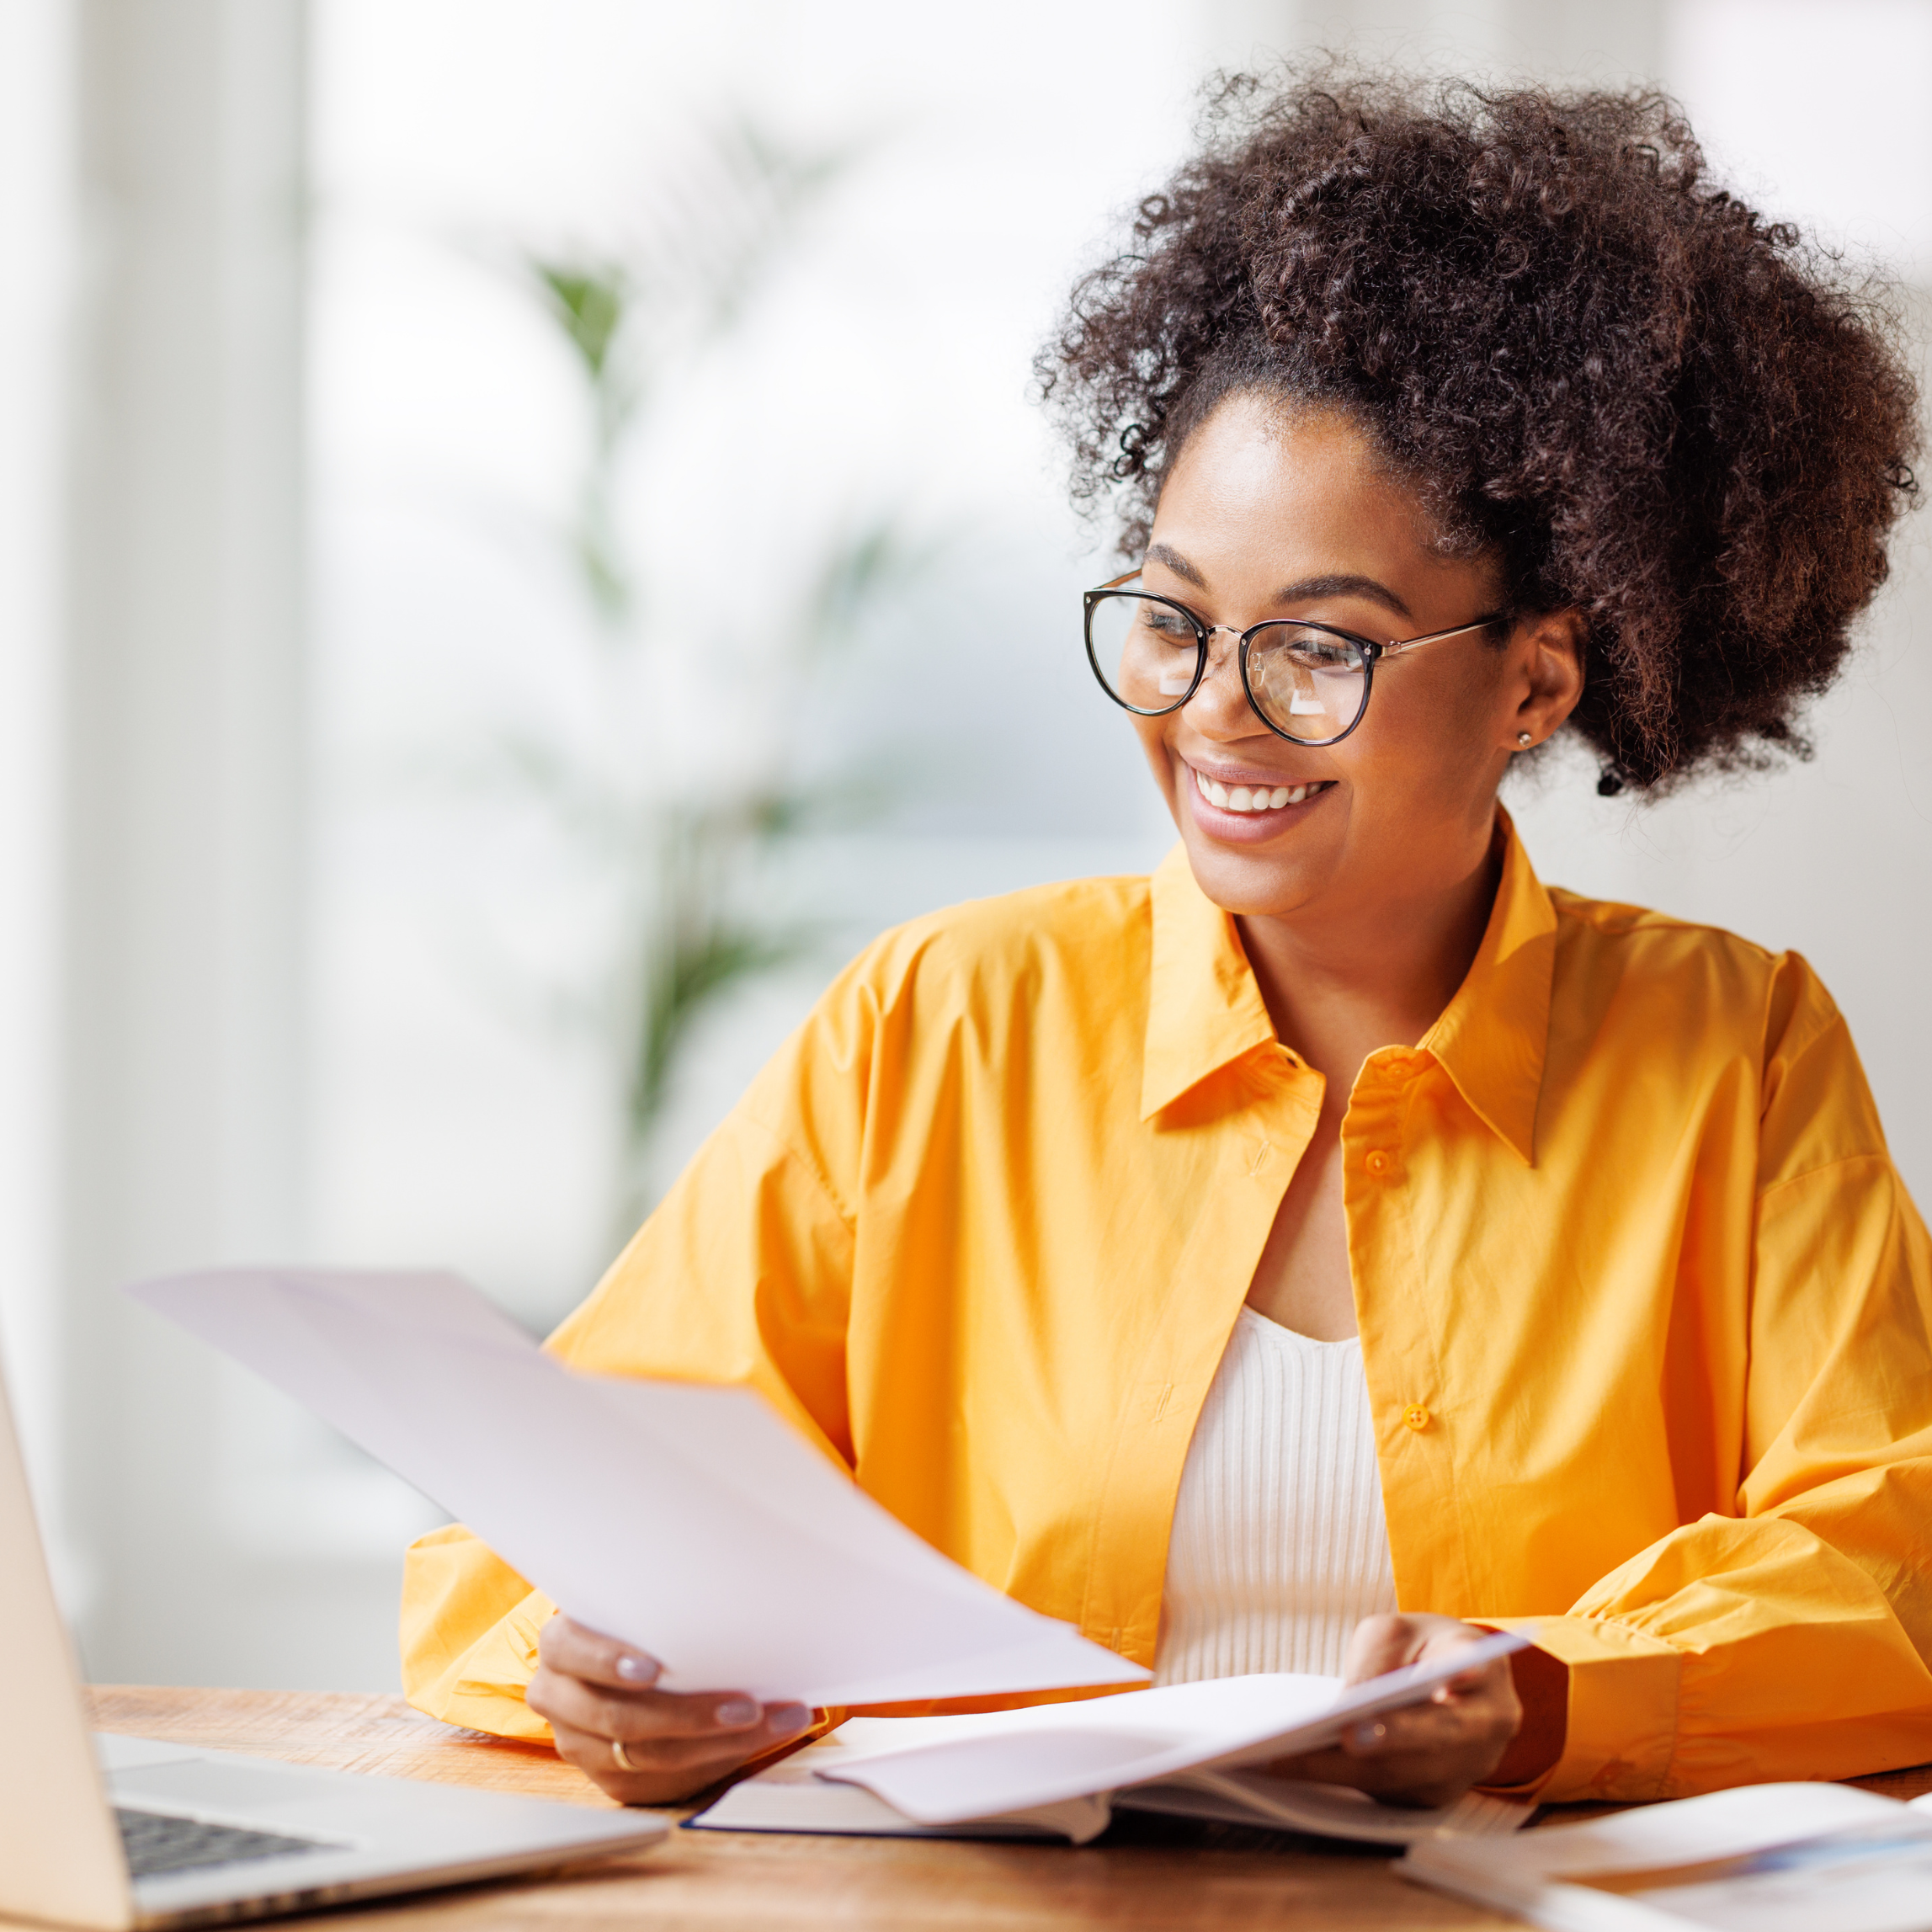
(1276, 512)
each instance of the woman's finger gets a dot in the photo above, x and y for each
(658, 1775)
(639, 1717)
(1427, 1777)
(1430, 1778)
(713, 1755)
(566, 1645)
(1379, 1644)
(589, 1707)
(1478, 1677)
(1496, 1676)
(1478, 1713)
(1408, 1731)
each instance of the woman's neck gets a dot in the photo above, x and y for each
(1338, 986)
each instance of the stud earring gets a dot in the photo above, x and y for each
(1523, 739)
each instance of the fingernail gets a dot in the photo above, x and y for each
(787, 1719)
(636, 1669)
(737, 1711)
(1366, 1736)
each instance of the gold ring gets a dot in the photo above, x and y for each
(622, 1756)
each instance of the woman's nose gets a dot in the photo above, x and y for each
(1218, 703)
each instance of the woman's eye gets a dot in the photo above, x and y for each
(1168, 626)
(1321, 654)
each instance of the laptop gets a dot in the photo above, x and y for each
(118, 1833)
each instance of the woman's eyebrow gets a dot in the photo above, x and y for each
(1344, 584)
(1160, 553)
(1334, 583)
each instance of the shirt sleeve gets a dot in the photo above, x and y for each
(742, 1276)
(470, 1628)
(1791, 1638)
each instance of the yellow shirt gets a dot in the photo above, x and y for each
(1644, 1305)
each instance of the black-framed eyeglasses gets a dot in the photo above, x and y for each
(1305, 681)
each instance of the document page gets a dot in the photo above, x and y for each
(1762, 1858)
(685, 1519)
(1877, 1878)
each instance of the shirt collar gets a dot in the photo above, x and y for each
(1205, 1009)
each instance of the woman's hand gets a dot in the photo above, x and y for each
(1429, 1754)
(596, 1694)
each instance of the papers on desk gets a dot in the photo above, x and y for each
(685, 1519)
(1061, 1769)
(1764, 1858)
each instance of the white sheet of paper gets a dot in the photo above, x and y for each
(685, 1519)
(950, 1769)
(1758, 1858)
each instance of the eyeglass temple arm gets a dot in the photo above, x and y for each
(1396, 646)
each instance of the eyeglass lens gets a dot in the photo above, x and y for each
(1308, 683)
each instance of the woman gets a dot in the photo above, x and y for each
(1339, 1244)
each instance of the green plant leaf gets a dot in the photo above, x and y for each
(688, 976)
(590, 302)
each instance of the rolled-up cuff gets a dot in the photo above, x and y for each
(452, 1581)
(1620, 1734)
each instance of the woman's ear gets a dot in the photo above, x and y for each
(1549, 647)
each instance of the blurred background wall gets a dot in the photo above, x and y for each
(490, 488)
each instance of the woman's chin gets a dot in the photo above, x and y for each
(1255, 878)
(1258, 863)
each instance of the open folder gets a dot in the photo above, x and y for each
(1190, 1750)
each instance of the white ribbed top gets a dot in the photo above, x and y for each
(1278, 1547)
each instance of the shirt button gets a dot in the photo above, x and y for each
(1378, 1162)
(1416, 1417)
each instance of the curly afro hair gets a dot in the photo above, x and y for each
(1644, 401)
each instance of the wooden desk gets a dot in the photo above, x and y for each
(1144, 1874)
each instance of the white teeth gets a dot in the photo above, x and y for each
(1258, 798)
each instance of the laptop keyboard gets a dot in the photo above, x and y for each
(158, 1842)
